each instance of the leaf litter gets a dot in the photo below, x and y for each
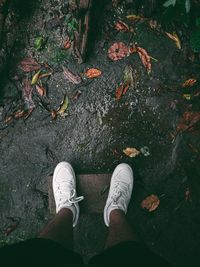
(150, 203)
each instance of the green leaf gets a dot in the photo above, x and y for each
(169, 3)
(195, 41)
(187, 6)
(63, 106)
(39, 42)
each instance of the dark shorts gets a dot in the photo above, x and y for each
(46, 253)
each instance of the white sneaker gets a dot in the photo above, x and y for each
(64, 188)
(121, 187)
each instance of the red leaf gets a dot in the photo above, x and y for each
(118, 51)
(145, 58)
(29, 64)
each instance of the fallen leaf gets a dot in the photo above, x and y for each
(150, 203)
(10, 229)
(35, 78)
(121, 26)
(76, 95)
(128, 76)
(118, 51)
(175, 38)
(93, 73)
(145, 58)
(27, 94)
(153, 24)
(67, 43)
(41, 90)
(19, 114)
(134, 17)
(53, 114)
(63, 106)
(29, 64)
(187, 96)
(121, 90)
(39, 42)
(188, 121)
(189, 82)
(44, 75)
(71, 77)
(8, 119)
(131, 152)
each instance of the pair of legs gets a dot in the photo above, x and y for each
(60, 228)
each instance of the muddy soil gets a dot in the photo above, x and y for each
(97, 128)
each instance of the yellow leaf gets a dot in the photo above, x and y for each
(131, 152)
(134, 17)
(63, 106)
(35, 78)
(187, 96)
(175, 38)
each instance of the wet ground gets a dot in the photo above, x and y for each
(96, 130)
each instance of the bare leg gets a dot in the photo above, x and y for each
(60, 229)
(119, 229)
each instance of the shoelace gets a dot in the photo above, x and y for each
(71, 199)
(118, 193)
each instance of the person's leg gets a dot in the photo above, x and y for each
(119, 229)
(60, 229)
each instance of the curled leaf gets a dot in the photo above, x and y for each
(145, 58)
(71, 77)
(150, 203)
(121, 26)
(29, 64)
(189, 82)
(118, 51)
(41, 90)
(131, 152)
(93, 73)
(35, 78)
(67, 43)
(175, 38)
(63, 106)
(121, 90)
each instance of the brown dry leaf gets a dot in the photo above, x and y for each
(93, 73)
(118, 51)
(27, 94)
(121, 26)
(67, 43)
(41, 90)
(150, 203)
(44, 75)
(134, 17)
(188, 121)
(71, 77)
(175, 38)
(119, 92)
(29, 64)
(19, 114)
(189, 82)
(76, 95)
(145, 58)
(153, 24)
(8, 119)
(53, 114)
(131, 152)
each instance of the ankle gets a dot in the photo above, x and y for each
(117, 215)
